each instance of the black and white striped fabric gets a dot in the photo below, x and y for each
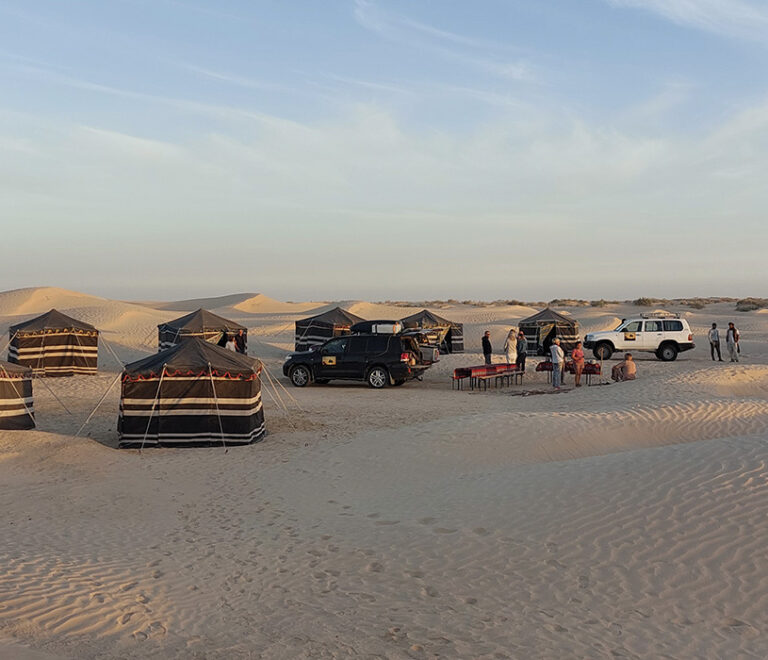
(200, 323)
(17, 411)
(55, 344)
(425, 319)
(319, 329)
(195, 393)
(541, 328)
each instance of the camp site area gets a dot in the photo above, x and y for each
(223, 513)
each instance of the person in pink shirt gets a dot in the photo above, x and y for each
(577, 355)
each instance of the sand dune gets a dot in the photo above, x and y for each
(614, 521)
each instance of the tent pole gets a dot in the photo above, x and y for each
(152, 410)
(101, 400)
(218, 414)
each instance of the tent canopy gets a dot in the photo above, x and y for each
(194, 357)
(549, 315)
(51, 320)
(318, 329)
(454, 336)
(542, 328)
(335, 316)
(426, 319)
(12, 370)
(202, 320)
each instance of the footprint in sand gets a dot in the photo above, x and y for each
(157, 574)
(142, 598)
(374, 567)
(415, 574)
(387, 522)
(583, 582)
(373, 515)
(469, 600)
(431, 592)
(481, 531)
(426, 521)
(125, 618)
(444, 530)
(128, 586)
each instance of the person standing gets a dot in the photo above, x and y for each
(522, 351)
(714, 342)
(487, 350)
(558, 360)
(732, 342)
(230, 345)
(510, 347)
(577, 355)
(240, 341)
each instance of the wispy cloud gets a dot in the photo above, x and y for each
(740, 18)
(489, 56)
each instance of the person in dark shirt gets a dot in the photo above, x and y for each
(487, 350)
(222, 340)
(522, 351)
(240, 341)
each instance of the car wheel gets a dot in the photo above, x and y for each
(378, 377)
(667, 352)
(300, 376)
(603, 351)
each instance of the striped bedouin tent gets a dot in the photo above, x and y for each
(542, 328)
(452, 333)
(194, 393)
(319, 329)
(200, 323)
(16, 409)
(55, 344)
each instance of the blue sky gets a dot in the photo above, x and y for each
(385, 149)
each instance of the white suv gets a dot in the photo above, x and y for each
(661, 333)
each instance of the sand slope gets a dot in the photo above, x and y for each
(616, 521)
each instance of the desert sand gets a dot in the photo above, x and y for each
(616, 521)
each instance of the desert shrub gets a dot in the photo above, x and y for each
(695, 304)
(597, 303)
(751, 304)
(644, 302)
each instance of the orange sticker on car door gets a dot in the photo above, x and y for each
(329, 360)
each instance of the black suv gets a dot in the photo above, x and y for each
(380, 360)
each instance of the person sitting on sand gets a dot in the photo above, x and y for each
(624, 370)
(577, 355)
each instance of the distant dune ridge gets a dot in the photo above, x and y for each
(612, 521)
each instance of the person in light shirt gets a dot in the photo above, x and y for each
(231, 345)
(714, 342)
(558, 360)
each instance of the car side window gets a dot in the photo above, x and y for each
(378, 344)
(356, 345)
(673, 326)
(633, 326)
(653, 326)
(335, 347)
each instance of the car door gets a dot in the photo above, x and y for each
(332, 358)
(353, 362)
(631, 335)
(652, 335)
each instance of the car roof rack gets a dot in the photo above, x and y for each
(659, 315)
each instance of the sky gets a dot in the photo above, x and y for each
(385, 149)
